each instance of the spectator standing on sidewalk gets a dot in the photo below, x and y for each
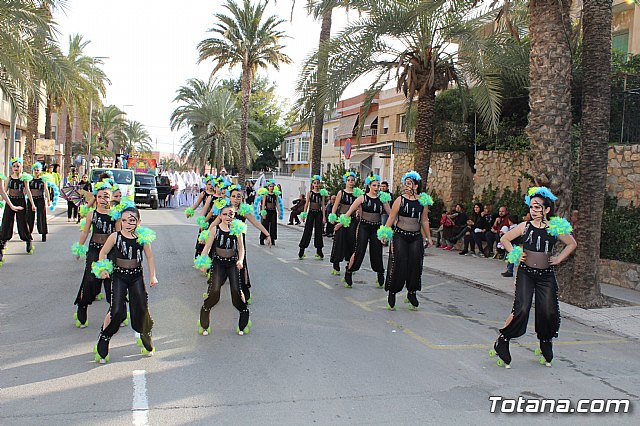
(384, 187)
(330, 226)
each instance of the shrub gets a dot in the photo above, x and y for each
(333, 182)
(620, 237)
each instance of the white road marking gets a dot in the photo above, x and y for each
(300, 270)
(282, 260)
(140, 406)
(325, 285)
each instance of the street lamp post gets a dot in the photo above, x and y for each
(93, 64)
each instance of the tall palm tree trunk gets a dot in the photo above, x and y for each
(596, 96)
(424, 133)
(320, 104)
(67, 140)
(48, 114)
(550, 98)
(32, 131)
(247, 79)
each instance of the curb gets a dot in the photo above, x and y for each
(577, 314)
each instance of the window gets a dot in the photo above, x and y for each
(385, 125)
(291, 148)
(303, 150)
(325, 136)
(400, 124)
(620, 42)
(121, 176)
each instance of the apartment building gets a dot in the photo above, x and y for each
(625, 26)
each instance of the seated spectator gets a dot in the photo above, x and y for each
(457, 231)
(472, 225)
(482, 227)
(493, 236)
(296, 209)
(445, 221)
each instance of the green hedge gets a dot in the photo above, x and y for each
(620, 239)
(513, 199)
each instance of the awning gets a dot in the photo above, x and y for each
(346, 126)
(357, 159)
(370, 119)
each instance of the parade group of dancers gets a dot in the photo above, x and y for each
(118, 244)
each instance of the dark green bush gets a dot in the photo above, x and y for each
(513, 199)
(333, 179)
(620, 238)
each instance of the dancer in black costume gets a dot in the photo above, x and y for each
(40, 194)
(103, 225)
(207, 198)
(536, 275)
(366, 233)
(344, 238)
(226, 251)
(409, 219)
(243, 212)
(314, 218)
(6, 204)
(131, 245)
(17, 188)
(270, 210)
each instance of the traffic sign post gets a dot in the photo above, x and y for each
(347, 149)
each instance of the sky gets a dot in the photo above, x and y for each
(151, 51)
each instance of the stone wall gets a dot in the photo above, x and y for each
(622, 274)
(451, 177)
(402, 163)
(623, 180)
(501, 169)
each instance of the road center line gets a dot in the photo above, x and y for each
(282, 260)
(140, 406)
(300, 270)
(325, 285)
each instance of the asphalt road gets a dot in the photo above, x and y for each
(317, 353)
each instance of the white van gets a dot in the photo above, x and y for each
(125, 178)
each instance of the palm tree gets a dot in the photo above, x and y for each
(136, 138)
(212, 117)
(90, 85)
(408, 41)
(584, 289)
(549, 127)
(244, 38)
(109, 123)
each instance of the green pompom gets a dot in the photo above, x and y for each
(276, 191)
(237, 227)
(332, 218)
(2, 204)
(385, 197)
(202, 222)
(26, 177)
(3, 177)
(190, 212)
(204, 236)
(145, 235)
(82, 223)
(324, 192)
(345, 220)
(263, 191)
(559, 226)
(101, 265)
(79, 249)
(202, 261)
(515, 255)
(304, 215)
(357, 192)
(84, 210)
(263, 213)
(385, 232)
(425, 199)
(244, 209)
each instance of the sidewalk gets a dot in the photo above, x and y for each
(485, 273)
(623, 319)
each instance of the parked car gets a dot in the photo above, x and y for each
(146, 190)
(163, 184)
